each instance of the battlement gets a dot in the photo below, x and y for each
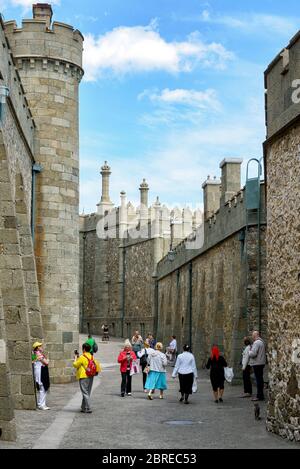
(34, 25)
(39, 38)
(228, 219)
(282, 84)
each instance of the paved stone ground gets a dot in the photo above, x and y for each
(135, 422)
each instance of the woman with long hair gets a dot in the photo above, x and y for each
(216, 365)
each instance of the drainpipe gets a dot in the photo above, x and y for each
(191, 303)
(36, 169)
(254, 203)
(156, 305)
(83, 283)
(259, 265)
(123, 290)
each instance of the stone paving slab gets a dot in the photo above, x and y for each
(135, 422)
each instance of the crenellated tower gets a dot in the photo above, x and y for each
(49, 60)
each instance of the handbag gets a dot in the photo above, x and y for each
(135, 368)
(229, 375)
(144, 359)
(147, 370)
(195, 386)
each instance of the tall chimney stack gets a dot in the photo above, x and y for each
(43, 11)
(106, 205)
(144, 211)
(231, 178)
(211, 195)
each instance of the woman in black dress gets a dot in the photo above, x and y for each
(216, 365)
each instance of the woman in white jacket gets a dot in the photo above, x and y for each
(157, 376)
(186, 369)
(247, 368)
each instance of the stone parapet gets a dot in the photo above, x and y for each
(282, 83)
(225, 222)
(60, 41)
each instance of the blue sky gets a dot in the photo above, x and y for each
(171, 88)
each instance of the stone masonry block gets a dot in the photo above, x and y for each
(27, 386)
(25, 402)
(8, 430)
(6, 409)
(67, 337)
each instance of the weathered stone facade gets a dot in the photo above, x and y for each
(100, 294)
(119, 251)
(19, 312)
(40, 69)
(139, 310)
(49, 60)
(211, 295)
(283, 241)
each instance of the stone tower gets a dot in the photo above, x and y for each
(49, 60)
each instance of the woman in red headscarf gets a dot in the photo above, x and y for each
(216, 365)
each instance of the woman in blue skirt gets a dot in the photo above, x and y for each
(157, 376)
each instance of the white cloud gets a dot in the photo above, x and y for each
(251, 22)
(174, 108)
(142, 49)
(191, 98)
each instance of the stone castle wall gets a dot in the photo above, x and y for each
(49, 63)
(283, 242)
(211, 296)
(20, 313)
(139, 308)
(100, 288)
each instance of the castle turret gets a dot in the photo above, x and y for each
(49, 60)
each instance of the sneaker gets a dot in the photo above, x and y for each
(129, 394)
(221, 400)
(186, 402)
(44, 408)
(181, 399)
(122, 395)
